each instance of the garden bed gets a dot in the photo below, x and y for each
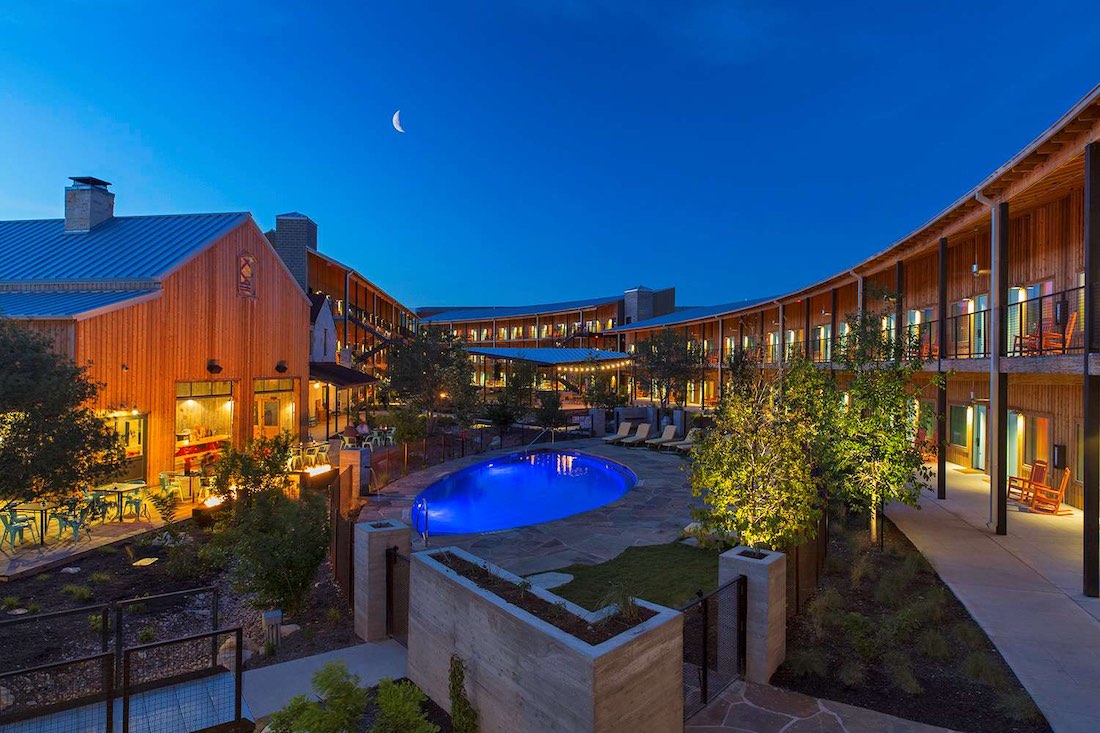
(557, 616)
(884, 632)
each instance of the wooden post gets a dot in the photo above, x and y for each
(806, 333)
(1091, 390)
(941, 395)
(998, 380)
(901, 333)
(832, 328)
(782, 336)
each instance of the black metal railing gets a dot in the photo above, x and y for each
(1045, 325)
(714, 643)
(821, 349)
(923, 340)
(73, 696)
(967, 336)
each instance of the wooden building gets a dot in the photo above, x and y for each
(1000, 290)
(192, 323)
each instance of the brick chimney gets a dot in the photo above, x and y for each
(87, 203)
(292, 236)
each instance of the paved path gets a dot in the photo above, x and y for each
(268, 689)
(653, 512)
(1048, 637)
(751, 708)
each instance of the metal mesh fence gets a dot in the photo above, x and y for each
(714, 644)
(967, 336)
(1047, 324)
(67, 697)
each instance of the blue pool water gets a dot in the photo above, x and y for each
(519, 489)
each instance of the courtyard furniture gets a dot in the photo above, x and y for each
(75, 520)
(1058, 341)
(170, 485)
(309, 456)
(624, 430)
(693, 437)
(136, 500)
(1047, 500)
(668, 435)
(322, 455)
(12, 528)
(638, 437)
(1020, 488)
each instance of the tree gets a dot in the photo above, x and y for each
(514, 402)
(339, 707)
(754, 468)
(262, 465)
(432, 371)
(667, 362)
(51, 440)
(549, 414)
(876, 459)
(598, 391)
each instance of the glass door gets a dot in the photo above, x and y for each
(980, 319)
(977, 451)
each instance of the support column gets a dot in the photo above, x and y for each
(1091, 477)
(721, 355)
(941, 395)
(998, 380)
(782, 336)
(901, 334)
(806, 333)
(832, 328)
(859, 294)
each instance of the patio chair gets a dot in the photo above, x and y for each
(99, 505)
(322, 455)
(1047, 500)
(638, 437)
(11, 530)
(135, 500)
(693, 437)
(1059, 341)
(1019, 488)
(624, 430)
(294, 462)
(75, 521)
(309, 456)
(169, 485)
(668, 435)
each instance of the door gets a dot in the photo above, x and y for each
(977, 451)
(980, 320)
(1014, 437)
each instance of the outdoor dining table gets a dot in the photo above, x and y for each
(42, 509)
(118, 489)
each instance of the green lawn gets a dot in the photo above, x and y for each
(665, 574)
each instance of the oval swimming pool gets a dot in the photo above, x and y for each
(519, 489)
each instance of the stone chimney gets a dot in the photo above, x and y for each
(87, 203)
(293, 234)
(638, 304)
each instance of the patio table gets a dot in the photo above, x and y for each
(42, 509)
(189, 480)
(118, 489)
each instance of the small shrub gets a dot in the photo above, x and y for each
(932, 644)
(99, 578)
(43, 577)
(860, 632)
(969, 636)
(108, 549)
(618, 595)
(136, 608)
(215, 555)
(981, 667)
(334, 616)
(77, 592)
(182, 563)
(934, 604)
(523, 586)
(899, 670)
(344, 703)
(893, 589)
(399, 709)
(1017, 706)
(9, 603)
(902, 624)
(915, 564)
(834, 565)
(851, 672)
(862, 569)
(463, 715)
(825, 611)
(34, 607)
(95, 622)
(147, 634)
(807, 662)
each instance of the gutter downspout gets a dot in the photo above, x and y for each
(859, 290)
(994, 357)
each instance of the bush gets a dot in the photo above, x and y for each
(409, 425)
(147, 634)
(807, 662)
(851, 673)
(982, 667)
(933, 645)
(463, 715)
(166, 503)
(9, 603)
(899, 670)
(399, 709)
(77, 592)
(1018, 706)
(339, 709)
(99, 578)
(863, 569)
(182, 562)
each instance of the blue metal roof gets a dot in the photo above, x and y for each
(62, 303)
(480, 314)
(687, 315)
(121, 248)
(549, 356)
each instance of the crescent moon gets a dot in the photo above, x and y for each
(397, 121)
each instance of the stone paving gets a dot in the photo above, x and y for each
(655, 511)
(746, 707)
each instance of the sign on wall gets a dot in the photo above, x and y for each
(246, 271)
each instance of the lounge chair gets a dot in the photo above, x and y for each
(1047, 500)
(624, 430)
(668, 435)
(1019, 488)
(637, 438)
(694, 436)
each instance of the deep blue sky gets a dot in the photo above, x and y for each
(723, 148)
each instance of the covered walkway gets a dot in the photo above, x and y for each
(1023, 588)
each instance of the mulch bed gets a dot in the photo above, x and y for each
(899, 615)
(549, 612)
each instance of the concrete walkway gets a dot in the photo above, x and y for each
(270, 688)
(1022, 589)
(747, 707)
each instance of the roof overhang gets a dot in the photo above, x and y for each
(338, 375)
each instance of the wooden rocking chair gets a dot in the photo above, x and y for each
(1058, 342)
(1019, 488)
(1046, 500)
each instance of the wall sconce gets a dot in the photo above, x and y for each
(213, 366)
(281, 367)
(125, 368)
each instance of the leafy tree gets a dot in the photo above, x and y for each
(754, 468)
(51, 440)
(262, 465)
(667, 362)
(432, 371)
(875, 458)
(514, 402)
(598, 390)
(549, 414)
(340, 705)
(409, 425)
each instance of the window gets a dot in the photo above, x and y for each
(1036, 439)
(1079, 453)
(273, 407)
(957, 420)
(204, 419)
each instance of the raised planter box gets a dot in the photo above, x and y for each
(524, 674)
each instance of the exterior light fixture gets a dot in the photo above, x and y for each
(125, 368)
(213, 366)
(281, 367)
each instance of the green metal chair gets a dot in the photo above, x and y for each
(75, 521)
(136, 500)
(11, 531)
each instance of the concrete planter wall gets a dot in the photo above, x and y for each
(523, 674)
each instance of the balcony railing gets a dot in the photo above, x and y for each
(923, 340)
(1048, 324)
(967, 336)
(821, 350)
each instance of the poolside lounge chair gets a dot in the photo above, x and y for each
(1019, 488)
(624, 430)
(637, 438)
(694, 436)
(667, 436)
(1047, 500)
